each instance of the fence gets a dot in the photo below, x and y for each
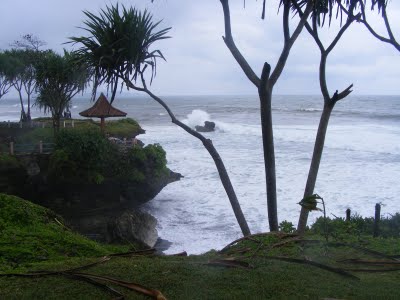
(35, 124)
(39, 148)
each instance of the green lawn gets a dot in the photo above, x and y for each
(268, 266)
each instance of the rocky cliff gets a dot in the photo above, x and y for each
(108, 211)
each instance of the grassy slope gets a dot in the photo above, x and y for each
(31, 233)
(31, 239)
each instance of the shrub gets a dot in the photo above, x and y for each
(287, 227)
(357, 225)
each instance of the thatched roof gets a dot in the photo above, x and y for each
(102, 109)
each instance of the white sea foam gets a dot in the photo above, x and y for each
(196, 117)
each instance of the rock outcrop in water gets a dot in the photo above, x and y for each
(208, 127)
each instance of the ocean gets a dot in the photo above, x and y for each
(360, 165)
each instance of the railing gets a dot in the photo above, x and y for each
(35, 124)
(39, 148)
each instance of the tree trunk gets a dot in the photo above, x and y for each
(28, 114)
(23, 114)
(223, 174)
(269, 157)
(315, 162)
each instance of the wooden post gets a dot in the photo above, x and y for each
(64, 124)
(12, 148)
(73, 123)
(43, 124)
(377, 219)
(348, 214)
(40, 147)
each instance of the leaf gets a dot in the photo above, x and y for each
(310, 202)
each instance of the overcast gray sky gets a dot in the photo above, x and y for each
(198, 61)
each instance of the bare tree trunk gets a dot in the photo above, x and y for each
(315, 162)
(265, 94)
(23, 114)
(223, 174)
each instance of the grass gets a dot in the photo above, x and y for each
(122, 128)
(31, 234)
(33, 238)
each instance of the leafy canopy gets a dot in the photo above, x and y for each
(118, 45)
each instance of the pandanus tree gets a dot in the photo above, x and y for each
(58, 80)
(318, 17)
(265, 83)
(360, 11)
(118, 49)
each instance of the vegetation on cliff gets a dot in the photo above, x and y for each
(31, 233)
(84, 154)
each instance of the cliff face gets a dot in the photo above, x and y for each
(108, 211)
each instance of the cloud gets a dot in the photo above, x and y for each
(198, 62)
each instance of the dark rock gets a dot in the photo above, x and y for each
(135, 226)
(208, 127)
(107, 211)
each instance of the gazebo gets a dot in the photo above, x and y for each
(102, 109)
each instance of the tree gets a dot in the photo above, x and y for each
(25, 53)
(118, 49)
(354, 6)
(5, 83)
(329, 101)
(21, 74)
(265, 84)
(58, 80)
(28, 42)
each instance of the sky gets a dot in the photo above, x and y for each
(199, 63)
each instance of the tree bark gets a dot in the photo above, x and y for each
(223, 174)
(315, 162)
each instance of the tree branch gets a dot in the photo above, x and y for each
(228, 39)
(339, 96)
(288, 45)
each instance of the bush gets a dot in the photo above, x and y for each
(82, 153)
(8, 161)
(124, 128)
(357, 225)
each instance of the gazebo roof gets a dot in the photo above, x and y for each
(102, 109)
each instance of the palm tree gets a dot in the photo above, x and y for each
(118, 49)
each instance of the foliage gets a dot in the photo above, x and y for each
(287, 227)
(59, 79)
(21, 72)
(88, 150)
(357, 225)
(123, 128)
(118, 45)
(8, 161)
(85, 154)
(61, 166)
(5, 83)
(31, 233)
(140, 164)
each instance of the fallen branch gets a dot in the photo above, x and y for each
(229, 263)
(250, 238)
(156, 294)
(315, 264)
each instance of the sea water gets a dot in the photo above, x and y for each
(360, 165)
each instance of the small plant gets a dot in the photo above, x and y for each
(286, 226)
(310, 203)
